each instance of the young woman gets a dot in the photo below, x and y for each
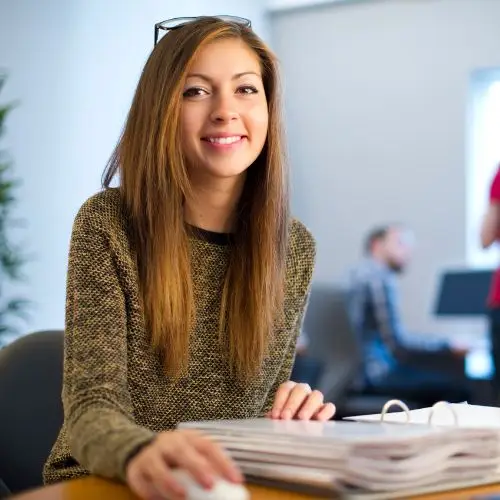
(187, 284)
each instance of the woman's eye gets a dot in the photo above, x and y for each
(194, 91)
(247, 89)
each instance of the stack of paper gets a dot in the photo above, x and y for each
(360, 459)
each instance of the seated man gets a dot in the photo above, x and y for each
(390, 353)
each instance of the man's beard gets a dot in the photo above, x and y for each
(396, 267)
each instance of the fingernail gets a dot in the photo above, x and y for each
(179, 491)
(236, 476)
(287, 414)
(208, 481)
(275, 414)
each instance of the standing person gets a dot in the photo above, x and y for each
(187, 284)
(490, 233)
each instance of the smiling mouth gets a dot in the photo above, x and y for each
(224, 140)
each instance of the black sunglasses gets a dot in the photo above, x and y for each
(179, 22)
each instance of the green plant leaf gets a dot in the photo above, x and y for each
(12, 257)
(17, 307)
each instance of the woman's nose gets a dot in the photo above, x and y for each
(224, 110)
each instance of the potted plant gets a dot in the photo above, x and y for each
(11, 256)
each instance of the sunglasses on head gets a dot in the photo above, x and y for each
(179, 22)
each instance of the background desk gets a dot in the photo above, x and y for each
(99, 489)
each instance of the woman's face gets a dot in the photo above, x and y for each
(224, 114)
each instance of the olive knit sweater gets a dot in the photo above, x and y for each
(115, 393)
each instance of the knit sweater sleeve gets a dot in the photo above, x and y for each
(303, 249)
(287, 365)
(98, 412)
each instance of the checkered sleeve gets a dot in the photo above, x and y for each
(388, 314)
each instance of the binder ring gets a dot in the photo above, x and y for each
(395, 402)
(446, 405)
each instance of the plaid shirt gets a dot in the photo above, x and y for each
(375, 311)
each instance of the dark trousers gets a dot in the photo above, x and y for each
(425, 387)
(4, 491)
(494, 331)
(306, 370)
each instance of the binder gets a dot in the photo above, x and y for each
(442, 413)
(372, 457)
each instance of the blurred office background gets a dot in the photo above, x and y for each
(393, 114)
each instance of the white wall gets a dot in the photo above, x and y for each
(280, 5)
(376, 96)
(74, 66)
(381, 91)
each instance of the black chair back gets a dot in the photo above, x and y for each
(31, 412)
(332, 340)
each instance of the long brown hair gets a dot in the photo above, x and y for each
(154, 183)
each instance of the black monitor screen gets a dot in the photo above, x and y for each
(463, 293)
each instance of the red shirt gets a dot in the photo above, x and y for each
(494, 297)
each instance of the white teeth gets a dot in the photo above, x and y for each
(224, 140)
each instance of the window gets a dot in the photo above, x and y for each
(484, 158)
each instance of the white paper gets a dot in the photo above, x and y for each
(367, 456)
(461, 414)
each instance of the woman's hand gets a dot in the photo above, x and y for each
(298, 401)
(149, 473)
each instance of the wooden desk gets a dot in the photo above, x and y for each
(100, 489)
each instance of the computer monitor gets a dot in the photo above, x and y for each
(463, 292)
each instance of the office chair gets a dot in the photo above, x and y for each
(31, 412)
(335, 344)
(331, 340)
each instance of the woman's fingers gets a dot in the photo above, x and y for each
(281, 398)
(325, 412)
(219, 459)
(312, 404)
(296, 398)
(150, 473)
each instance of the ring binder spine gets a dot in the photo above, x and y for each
(397, 402)
(446, 405)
